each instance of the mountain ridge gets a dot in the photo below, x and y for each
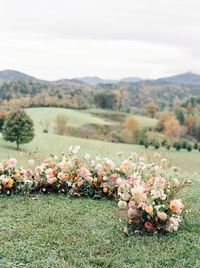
(187, 78)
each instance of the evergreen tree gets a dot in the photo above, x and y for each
(18, 127)
(180, 116)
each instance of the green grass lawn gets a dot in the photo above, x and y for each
(55, 231)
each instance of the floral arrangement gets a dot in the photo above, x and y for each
(145, 190)
(149, 196)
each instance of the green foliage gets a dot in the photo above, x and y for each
(104, 100)
(168, 147)
(157, 145)
(18, 128)
(197, 132)
(196, 146)
(180, 116)
(164, 142)
(184, 144)
(189, 147)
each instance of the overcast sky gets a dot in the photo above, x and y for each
(54, 39)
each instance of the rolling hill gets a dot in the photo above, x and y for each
(12, 75)
(21, 90)
(188, 78)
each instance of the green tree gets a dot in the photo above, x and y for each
(104, 100)
(18, 127)
(180, 116)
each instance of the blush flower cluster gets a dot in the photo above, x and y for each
(146, 191)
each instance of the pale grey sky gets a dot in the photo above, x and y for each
(54, 39)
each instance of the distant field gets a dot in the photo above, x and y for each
(143, 120)
(75, 118)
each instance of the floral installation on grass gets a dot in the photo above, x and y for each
(145, 190)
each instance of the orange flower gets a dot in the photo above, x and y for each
(149, 210)
(9, 183)
(105, 189)
(17, 174)
(150, 182)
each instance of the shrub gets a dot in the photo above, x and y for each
(146, 145)
(168, 147)
(157, 145)
(177, 146)
(196, 146)
(164, 142)
(189, 147)
(184, 144)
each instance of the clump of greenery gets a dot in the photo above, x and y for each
(189, 147)
(196, 146)
(18, 127)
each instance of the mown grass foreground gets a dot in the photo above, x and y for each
(56, 231)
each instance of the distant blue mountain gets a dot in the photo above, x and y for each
(188, 78)
(15, 75)
(95, 80)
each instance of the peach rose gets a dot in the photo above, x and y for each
(51, 180)
(176, 206)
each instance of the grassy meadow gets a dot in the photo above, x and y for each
(56, 231)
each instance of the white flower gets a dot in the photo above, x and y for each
(55, 157)
(173, 224)
(86, 156)
(122, 204)
(31, 162)
(74, 149)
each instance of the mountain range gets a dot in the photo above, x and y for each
(187, 78)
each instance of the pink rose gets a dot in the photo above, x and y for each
(50, 172)
(109, 164)
(79, 183)
(11, 162)
(113, 176)
(131, 204)
(84, 173)
(100, 170)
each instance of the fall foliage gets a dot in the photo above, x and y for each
(152, 109)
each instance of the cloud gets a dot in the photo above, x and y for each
(115, 38)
